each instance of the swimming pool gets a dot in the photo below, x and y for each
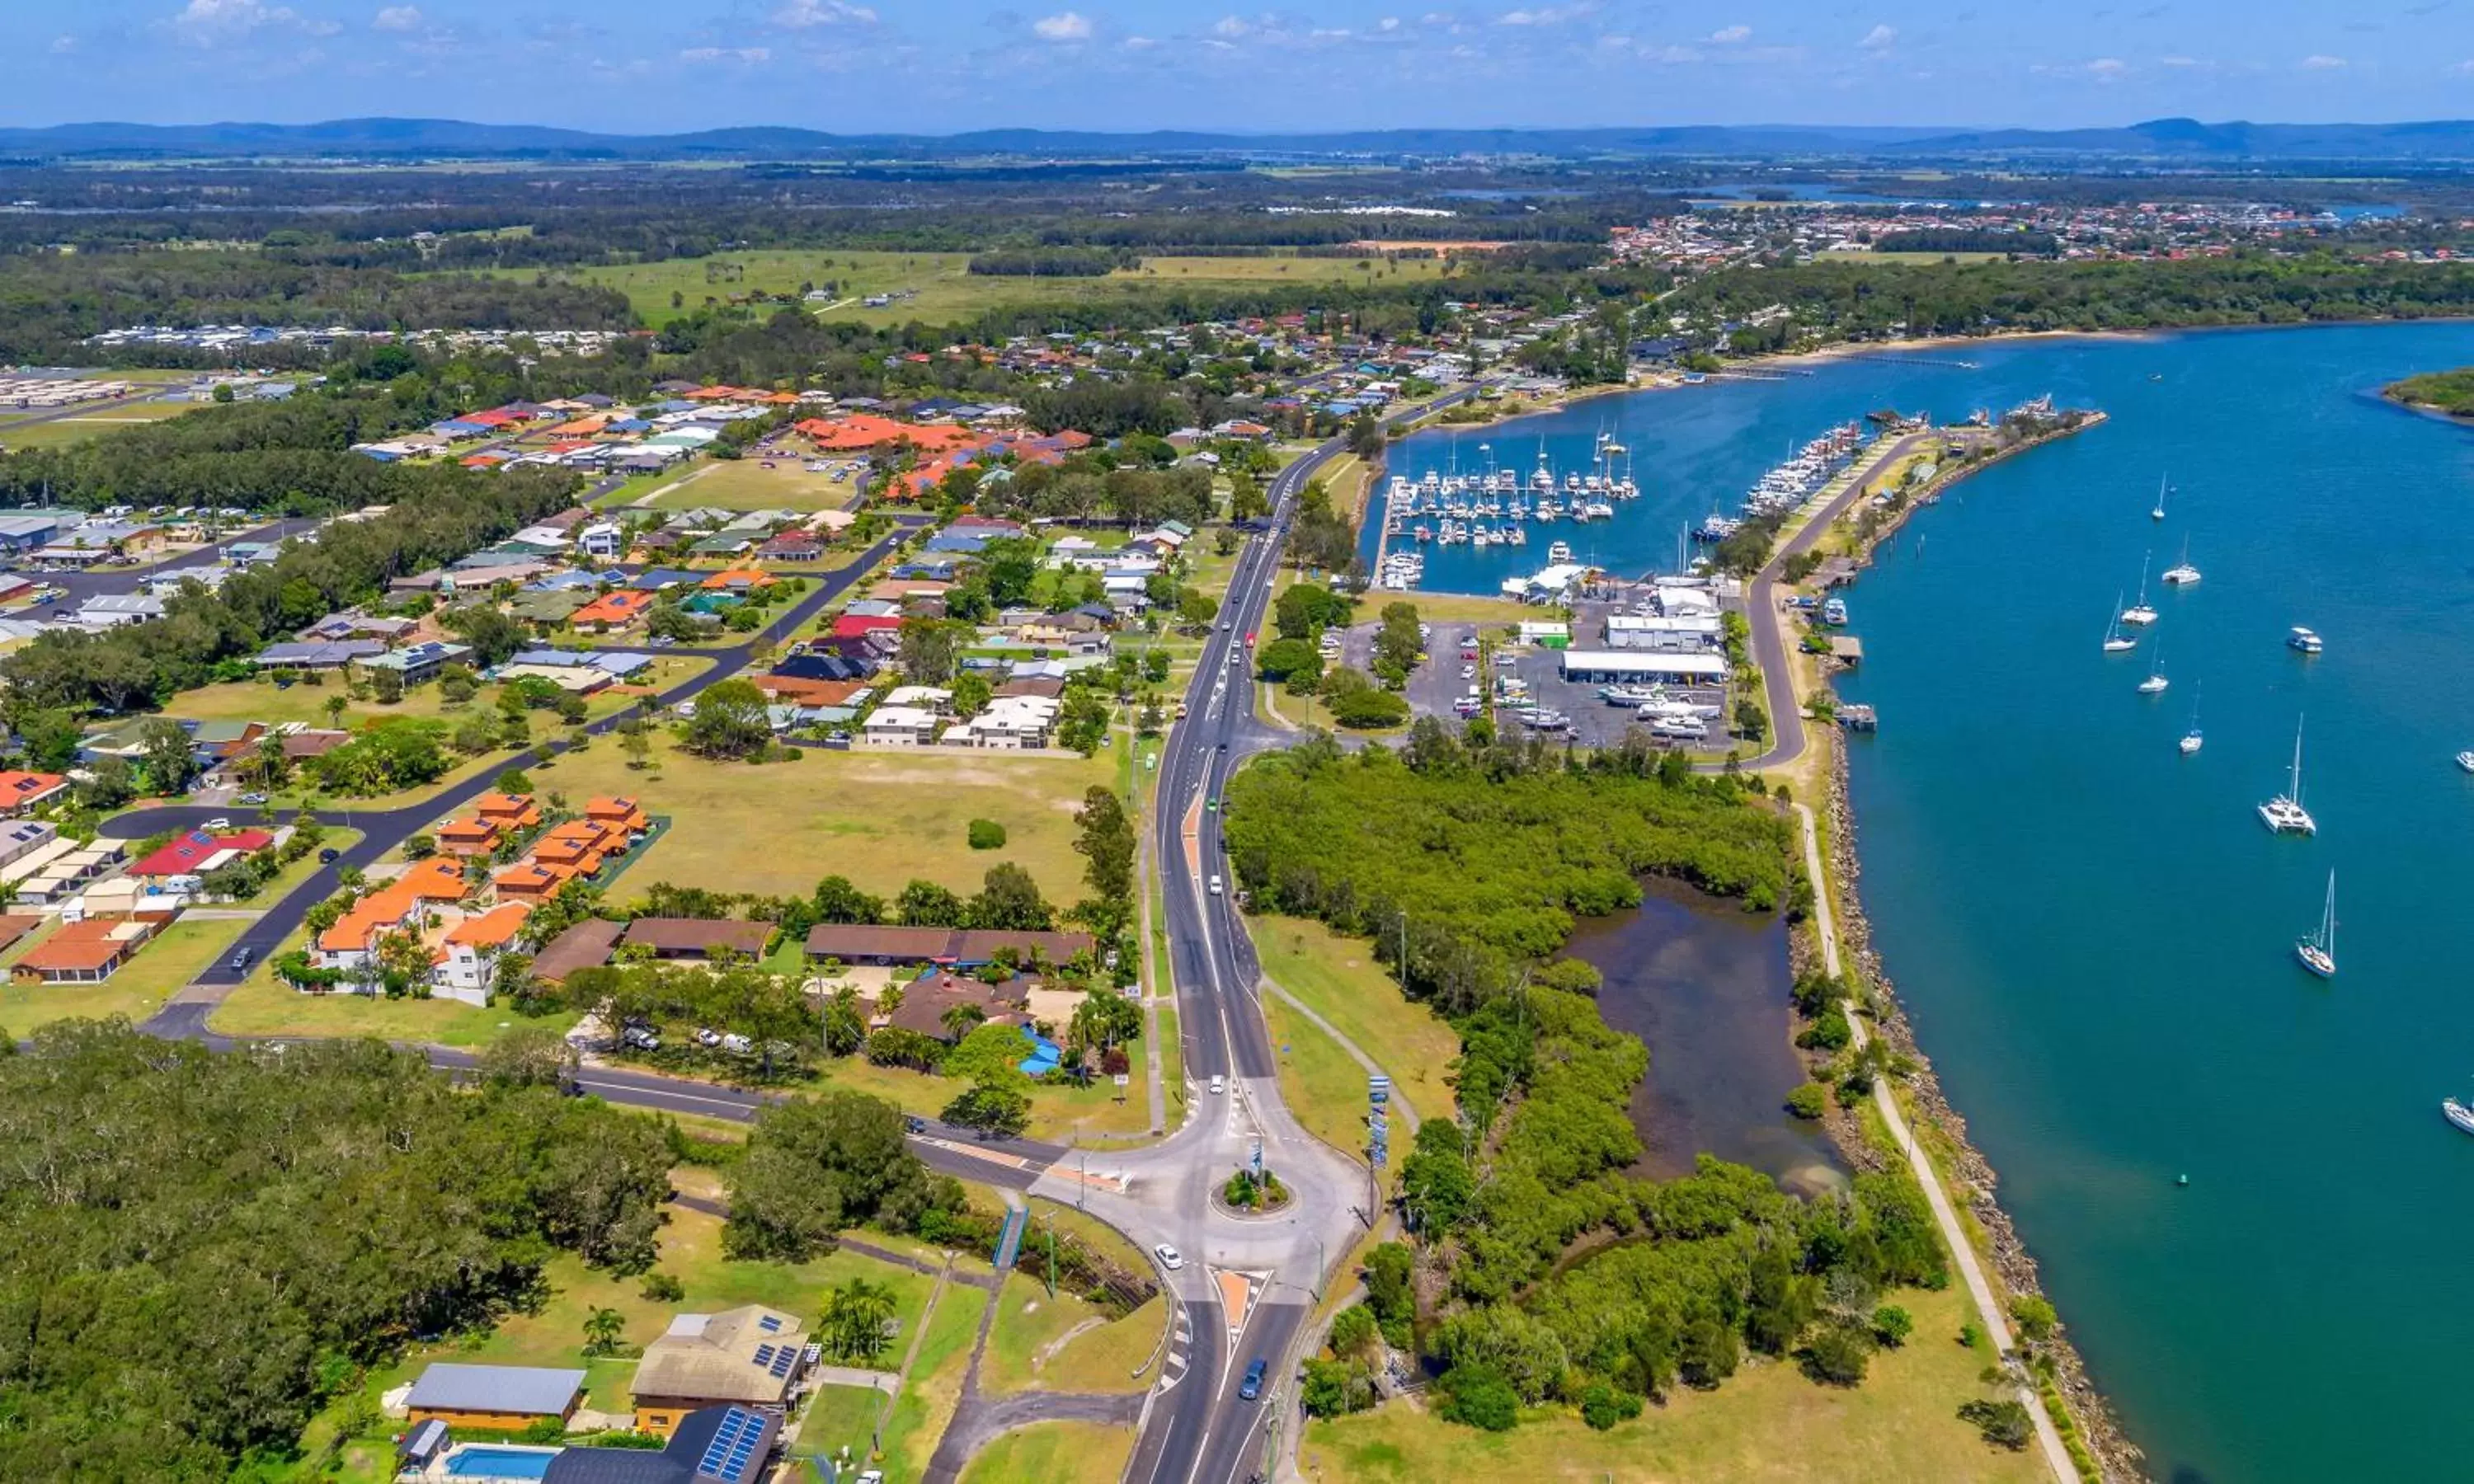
(480, 1461)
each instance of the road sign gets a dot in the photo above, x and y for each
(1122, 1079)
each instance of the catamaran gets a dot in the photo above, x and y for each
(2303, 640)
(2284, 814)
(2183, 574)
(2191, 740)
(2139, 613)
(2158, 514)
(2115, 640)
(2318, 952)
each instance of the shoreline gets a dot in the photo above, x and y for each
(1971, 1176)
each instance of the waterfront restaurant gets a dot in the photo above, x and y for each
(1642, 667)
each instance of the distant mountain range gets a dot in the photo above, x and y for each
(2170, 139)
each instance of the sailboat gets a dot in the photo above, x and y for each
(2158, 514)
(2183, 574)
(2191, 740)
(2115, 640)
(2284, 814)
(2318, 952)
(2156, 682)
(2139, 613)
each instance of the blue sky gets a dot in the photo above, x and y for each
(939, 65)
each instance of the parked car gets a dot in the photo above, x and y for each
(329, 855)
(219, 823)
(1251, 1387)
(641, 1037)
(252, 799)
(1170, 1258)
(240, 960)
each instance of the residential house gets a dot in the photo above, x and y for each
(603, 540)
(398, 903)
(793, 545)
(312, 742)
(419, 662)
(495, 1397)
(611, 611)
(21, 838)
(510, 812)
(528, 881)
(56, 869)
(22, 792)
(200, 851)
(930, 1004)
(748, 1356)
(925, 698)
(467, 837)
(318, 654)
(899, 726)
(587, 945)
(626, 816)
(1015, 722)
(87, 951)
(579, 848)
(717, 1445)
(878, 944)
(697, 938)
(466, 962)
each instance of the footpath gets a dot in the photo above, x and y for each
(1988, 1308)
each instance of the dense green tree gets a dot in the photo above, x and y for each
(729, 722)
(816, 1166)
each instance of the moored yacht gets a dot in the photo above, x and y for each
(2115, 640)
(1560, 552)
(2139, 613)
(2458, 1114)
(2303, 640)
(2284, 814)
(2192, 740)
(2182, 573)
(2318, 952)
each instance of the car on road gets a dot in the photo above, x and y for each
(1215, 886)
(1170, 1258)
(1219, 1084)
(1251, 1387)
(240, 960)
(914, 1124)
(219, 823)
(1468, 672)
(1213, 804)
(329, 855)
(252, 799)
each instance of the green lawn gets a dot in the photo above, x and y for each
(1766, 1425)
(265, 1007)
(1063, 1344)
(63, 432)
(1057, 1110)
(840, 1417)
(880, 817)
(1323, 1084)
(746, 484)
(937, 287)
(1053, 1453)
(1338, 978)
(935, 1386)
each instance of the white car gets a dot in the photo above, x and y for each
(1215, 886)
(1219, 1084)
(219, 823)
(1170, 1258)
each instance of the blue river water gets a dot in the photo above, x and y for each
(2092, 932)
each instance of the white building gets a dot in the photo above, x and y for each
(1642, 667)
(899, 726)
(1696, 633)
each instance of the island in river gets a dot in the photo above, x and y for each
(2450, 392)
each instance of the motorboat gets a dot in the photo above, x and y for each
(2303, 640)
(2284, 814)
(2318, 952)
(1677, 728)
(2466, 761)
(1834, 612)
(1560, 552)
(2115, 640)
(2139, 613)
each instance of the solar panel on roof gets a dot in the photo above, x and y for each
(764, 1355)
(782, 1361)
(718, 1461)
(769, 1324)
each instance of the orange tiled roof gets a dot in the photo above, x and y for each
(529, 877)
(490, 929)
(613, 607)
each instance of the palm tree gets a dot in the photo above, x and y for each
(336, 706)
(603, 1328)
(853, 1324)
(959, 1019)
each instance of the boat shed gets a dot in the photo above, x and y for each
(1642, 666)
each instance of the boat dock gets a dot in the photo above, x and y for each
(1859, 718)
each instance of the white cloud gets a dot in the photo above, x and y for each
(1138, 43)
(1388, 23)
(2179, 61)
(749, 55)
(1880, 38)
(398, 17)
(801, 14)
(2107, 67)
(1230, 27)
(2321, 63)
(1063, 26)
(211, 22)
(1729, 35)
(63, 45)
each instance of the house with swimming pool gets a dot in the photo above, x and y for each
(507, 1398)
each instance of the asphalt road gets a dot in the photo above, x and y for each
(1202, 1431)
(383, 829)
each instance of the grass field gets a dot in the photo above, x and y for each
(1452, 607)
(746, 484)
(691, 1247)
(266, 1007)
(1063, 1344)
(1323, 1083)
(937, 286)
(1766, 1425)
(1339, 979)
(880, 817)
(63, 432)
(935, 1388)
(1057, 1110)
(264, 701)
(1053, 1453)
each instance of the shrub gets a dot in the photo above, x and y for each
(1829, 1033)
(1837, 1354)
(1479, 1397)
(1809, 1101)
(662, 1288)
(988, 836)
(2034, 1315)
(2004, 1423)
(1602, 1406)
(1891, 1326)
